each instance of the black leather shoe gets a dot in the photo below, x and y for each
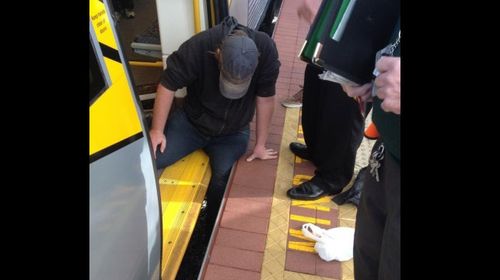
(300, 150)
(306, 191)
(353, 195)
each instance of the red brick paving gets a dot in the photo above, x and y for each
(232, 238)
(217, 272)
(251, 207)
(241, 235)
(237, 258)
(244, 222)
(328, 269)
(299, 261)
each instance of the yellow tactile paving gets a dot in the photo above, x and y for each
(321, 201)
(299, 178)
(305, 219)
(298, 234)
(275, 252)
(303, 246)
(313, 207)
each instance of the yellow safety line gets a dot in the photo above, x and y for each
(325, 199)
(299, 247)
(302, 243)
(299, 178)
(315, 207)
(297, 233)
(305, 219)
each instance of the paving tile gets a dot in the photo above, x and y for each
(304, 171)
(241, 240)
(295, 225)
(256, 168)
(298, 261)
(332, 216)
(328, 269)
(248, 207)
(234, 220)
(255, 173)
(237, 258)
(249, 192)
(297, 210)
(305, 164)
(217, 272)
(295, 239)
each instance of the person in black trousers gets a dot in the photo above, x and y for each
(333, 130)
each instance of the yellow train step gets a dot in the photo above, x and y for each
(182, 188)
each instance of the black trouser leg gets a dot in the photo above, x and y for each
(333, 127)
(310, 112)
(390, 255)
(377, 237)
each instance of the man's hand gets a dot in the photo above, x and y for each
(262, 153)
(158, 138)
(363, 92)
(388, 83)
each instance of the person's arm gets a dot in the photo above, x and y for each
(182, 70)
(265, 108)
(388, 84)
(161, 109)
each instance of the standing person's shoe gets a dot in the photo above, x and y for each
(300, 150)
(294, 101)
(313, 189)
(306, 191)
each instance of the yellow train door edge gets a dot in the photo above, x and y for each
(125, 209)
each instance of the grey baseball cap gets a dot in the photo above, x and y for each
(239, 59)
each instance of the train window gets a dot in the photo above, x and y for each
(97, 83)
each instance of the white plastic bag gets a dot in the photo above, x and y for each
(332, 244)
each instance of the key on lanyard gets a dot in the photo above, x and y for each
(375, 160)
